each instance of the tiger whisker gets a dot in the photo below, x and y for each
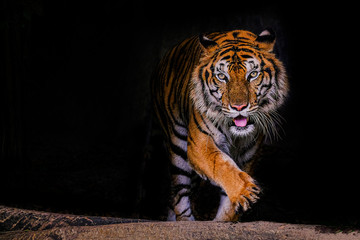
(269, 123)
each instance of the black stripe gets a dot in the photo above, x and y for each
(263, 102)
(246, 56)
(184, 194)
(202, 118)
(220, 129)
(199, 127)
(186, 105)
(237, 49)
(276, 69)
(275, 96)
(177, 188)
(225, 58)
(237, 41)
(226, 51)
(214, 91)
(213, 82)
(168, 100)
(191, 140)
(178, 61)
(216, 144)
(207, 74)
(174, 170)
(177, 150)
(268, 71)
(206, 101)
(177, 134)
(217, 36)
(173, 118)
(268, 86)
(183, 212)
(262, 64)
(188, 215)
(170, 64)
(244, 38)
(246, 50)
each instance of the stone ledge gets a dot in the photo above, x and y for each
(83, 227)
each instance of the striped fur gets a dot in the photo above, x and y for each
(216, 97)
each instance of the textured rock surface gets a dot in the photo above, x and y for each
(13, 219)
(26, 224)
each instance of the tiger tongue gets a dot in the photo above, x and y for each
(240, 121)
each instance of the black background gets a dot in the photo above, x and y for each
(76, 105)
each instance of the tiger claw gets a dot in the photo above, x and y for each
(247, 196)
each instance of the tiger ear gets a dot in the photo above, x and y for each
(266, 40)
(206, 42)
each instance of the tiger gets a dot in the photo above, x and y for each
(216, 96)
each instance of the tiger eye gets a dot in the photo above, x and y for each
(253, 74)
(221, 76)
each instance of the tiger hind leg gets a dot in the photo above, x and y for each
(181, 174)
(181, 205)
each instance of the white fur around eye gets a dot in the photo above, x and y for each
(221, 69)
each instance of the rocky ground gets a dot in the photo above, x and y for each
(25, 224)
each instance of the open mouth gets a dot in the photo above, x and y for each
(241, 121)
(241, 126)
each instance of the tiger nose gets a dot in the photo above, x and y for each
(238, 107)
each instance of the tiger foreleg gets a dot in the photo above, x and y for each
(210, 162)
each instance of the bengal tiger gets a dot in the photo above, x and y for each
(216, 97)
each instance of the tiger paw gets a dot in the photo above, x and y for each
(246, 192)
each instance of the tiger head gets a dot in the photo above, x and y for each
(239, 83)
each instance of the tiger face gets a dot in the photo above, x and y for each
(239, 83)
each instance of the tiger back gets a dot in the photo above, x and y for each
(216, 97)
